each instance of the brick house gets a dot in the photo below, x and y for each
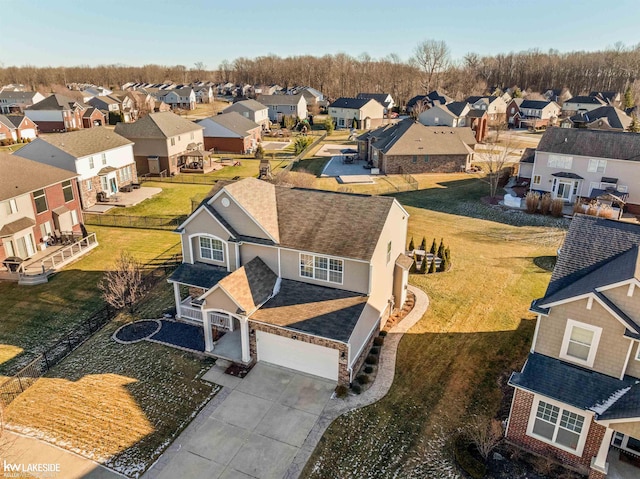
(93, 117)
(410, 147)
(17, 127)
(230, 132)
(56, 113)
(264, 263)
(494, 106)
(35, 201)
(102, 160)
(577, 398)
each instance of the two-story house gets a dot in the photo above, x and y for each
(56, 113)
(252, 110)
(231, 133)
(204, 93)
(385, 99)
(102, 160)
(17, 101)
(452, 114)
(494, 106)
(359, 113)
(577, 398)
(603, 118)
(284, 105)
(163, 141)
(183, 98)
(536, 114)
(581, 104)
(572, 163)
(410, 147)
(267, 265)
(36, 200)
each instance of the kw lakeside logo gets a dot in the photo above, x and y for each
(39, 470)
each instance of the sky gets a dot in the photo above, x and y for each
(138, 32)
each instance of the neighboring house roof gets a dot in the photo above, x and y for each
(327, 312)
(16, 226)
(585, 99)
(436, 97)
(7, 122)
(233, 122)
(486, 99)
(615, 145)
(573, 385)
(414, 101)
(55, 102)
(614, 117)
(408, 137)
(200, 275)
(84, 142)
(17, 96)
(590, 243)
(381, 98)
(476, 113)
(250, 285)
(528, 155)
(258, 198)
(456, 108)
(277, 100)
(608, 96)
(350, 103)
(16, 120)
(90, 111)
(252, 105)
(535, 104)
(157, 125)
(21, 176)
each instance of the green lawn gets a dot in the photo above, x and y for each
(453, 362)
(35, 317)
(174, 200)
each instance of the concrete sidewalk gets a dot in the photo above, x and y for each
(27, 450)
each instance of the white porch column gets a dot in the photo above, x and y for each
(244, 336)
(208, 334)
(176, 294)
(599, 463)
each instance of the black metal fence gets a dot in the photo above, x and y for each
(189, 179)
(144, 222)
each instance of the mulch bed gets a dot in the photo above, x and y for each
(487, 200)
(137, 331)
(400, 315)
(182, 335)
(238, 370)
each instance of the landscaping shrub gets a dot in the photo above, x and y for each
(375, 351)
(368, 369)
(607, 212)
(356, 388)
(379, 341)
(341, 391)
(363, 379)
(423, 243)
(466, 460)
(383, 333)
(545, 203)
(371, 359)
(301, 144)
(329, 126)
(423, 265)
(444, 264)
(433, 247)
(432, 266)
(441, 249)
(531, 201)
(259, 154)
(578, 207)
(411, 245)
(414, 265)
(556, 208)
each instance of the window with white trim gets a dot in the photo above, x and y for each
(597, 166)
(74, 217)
(91, 165)
(211, 248)
(10, 206)
(321, 268)
(559, 161)
(580, 342)
(40, 199)
(67, 191)
(388, 252)
(557, 426)
(104, 158)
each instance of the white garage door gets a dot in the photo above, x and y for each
(305, 357)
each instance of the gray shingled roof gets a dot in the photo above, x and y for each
(379, 97)
(528, 155)
(200, 275)
(327, 312)
(27, 175)
(350, 103)
(627, 406)
(573, 385)
(85, 142)
(613, 116)
(456, 107)
(252, 105)
(585, 99)
(55, 102)
(250, 285)
(279, 99)
(157, 125)
(534, 104)
(617, 145)
(17, 95)
(232, 121)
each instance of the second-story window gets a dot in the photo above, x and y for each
(388, 252)
(67, 190)
(40, 200)
(580, 342)
(91, 164)
(173, 142)
(10, 206)
(321, 268)
(104, 159)
(211, 248)
(597, 166)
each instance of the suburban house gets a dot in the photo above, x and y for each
(535, 114)
(573, 163)
(577, 398)
(495, 106)
(603, 118)
(358, 113)
(17, 101)
(385, 99)
(17, 127)
(56, 113)
(163, 142)
(105, 103)
(452, 114)
(525, 166)
(612, 98)
(93, 117)
(263, 263)
(36, 200)
(252, 110)
(513, 109)
(422, 102)
(410, 147)
(581, 104)
(559, 95)
(182, 98)
(101, 159)
(284, 105)
(204, 94)
(230, 133)
(478, 121)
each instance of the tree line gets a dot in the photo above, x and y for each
(430, 67)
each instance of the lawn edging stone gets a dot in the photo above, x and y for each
(128, 330)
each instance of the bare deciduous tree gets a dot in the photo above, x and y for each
(484, 432)
(494, 157)
(432, 57)
(123, 286)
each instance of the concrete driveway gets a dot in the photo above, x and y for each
(254, 432)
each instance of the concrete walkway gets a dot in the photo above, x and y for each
(379, 388)
(19, 449)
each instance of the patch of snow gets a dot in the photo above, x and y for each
(600, 408)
